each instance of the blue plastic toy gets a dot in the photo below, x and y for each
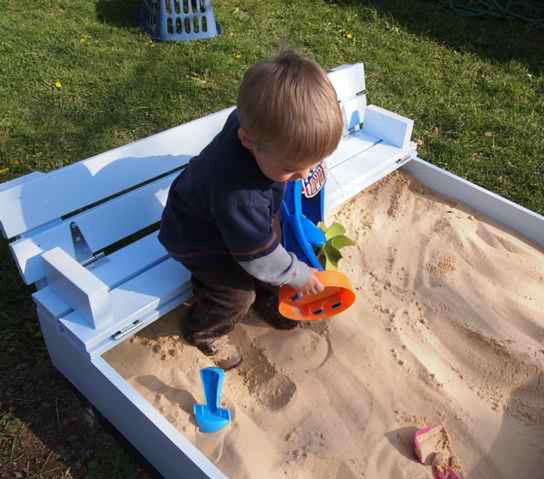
(178, 20)
(299, 218)
(210, 417)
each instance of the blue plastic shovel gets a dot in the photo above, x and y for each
(210, 417)
(299, 218)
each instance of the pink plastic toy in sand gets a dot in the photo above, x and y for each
(432, 447)
(445, 472)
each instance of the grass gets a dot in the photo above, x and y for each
(79, 78)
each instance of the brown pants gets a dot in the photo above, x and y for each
(222, 298)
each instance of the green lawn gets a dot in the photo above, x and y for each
(78, 78)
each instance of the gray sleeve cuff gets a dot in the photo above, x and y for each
(278, 268)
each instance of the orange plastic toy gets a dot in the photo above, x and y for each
(337, 297)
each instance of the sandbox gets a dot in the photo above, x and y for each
(447, 328)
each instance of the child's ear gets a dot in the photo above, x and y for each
(245, 139)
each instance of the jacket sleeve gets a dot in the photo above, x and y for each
(278, 268)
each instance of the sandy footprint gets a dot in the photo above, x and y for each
(265, 383)
(303, 465)
(439, 267)
(295, 352)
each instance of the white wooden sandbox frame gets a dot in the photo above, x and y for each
(61, 226)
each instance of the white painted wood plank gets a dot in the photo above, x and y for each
(15, 182)
(151, 316)
(68, 189)
(390, 127)
(20, 180)
(50, 302)
(499, 209)
(354, 113)
(348, 80)
(78, 288)
(101, 226)
(113, 270)
(130, 261)
(334, 194)
(133, 300)
(350, 146)
(360, 171)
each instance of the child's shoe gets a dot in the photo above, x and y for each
(224, 354)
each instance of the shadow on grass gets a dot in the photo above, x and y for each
(494, 39)
(118, 13)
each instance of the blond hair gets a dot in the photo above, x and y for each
(289, 104)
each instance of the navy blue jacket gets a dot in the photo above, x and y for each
(221, 205)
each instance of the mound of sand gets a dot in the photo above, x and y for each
(447, 328)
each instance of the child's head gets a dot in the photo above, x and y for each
(289, 115)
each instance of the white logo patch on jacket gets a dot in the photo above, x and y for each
(317, 178)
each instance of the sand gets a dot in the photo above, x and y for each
(447, 329)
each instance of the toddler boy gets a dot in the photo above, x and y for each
(222, 214)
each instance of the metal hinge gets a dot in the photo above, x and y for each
(122, 333)
(403, 159)
(358, 125)
(83, 253)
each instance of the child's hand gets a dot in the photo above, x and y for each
(313, 285)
